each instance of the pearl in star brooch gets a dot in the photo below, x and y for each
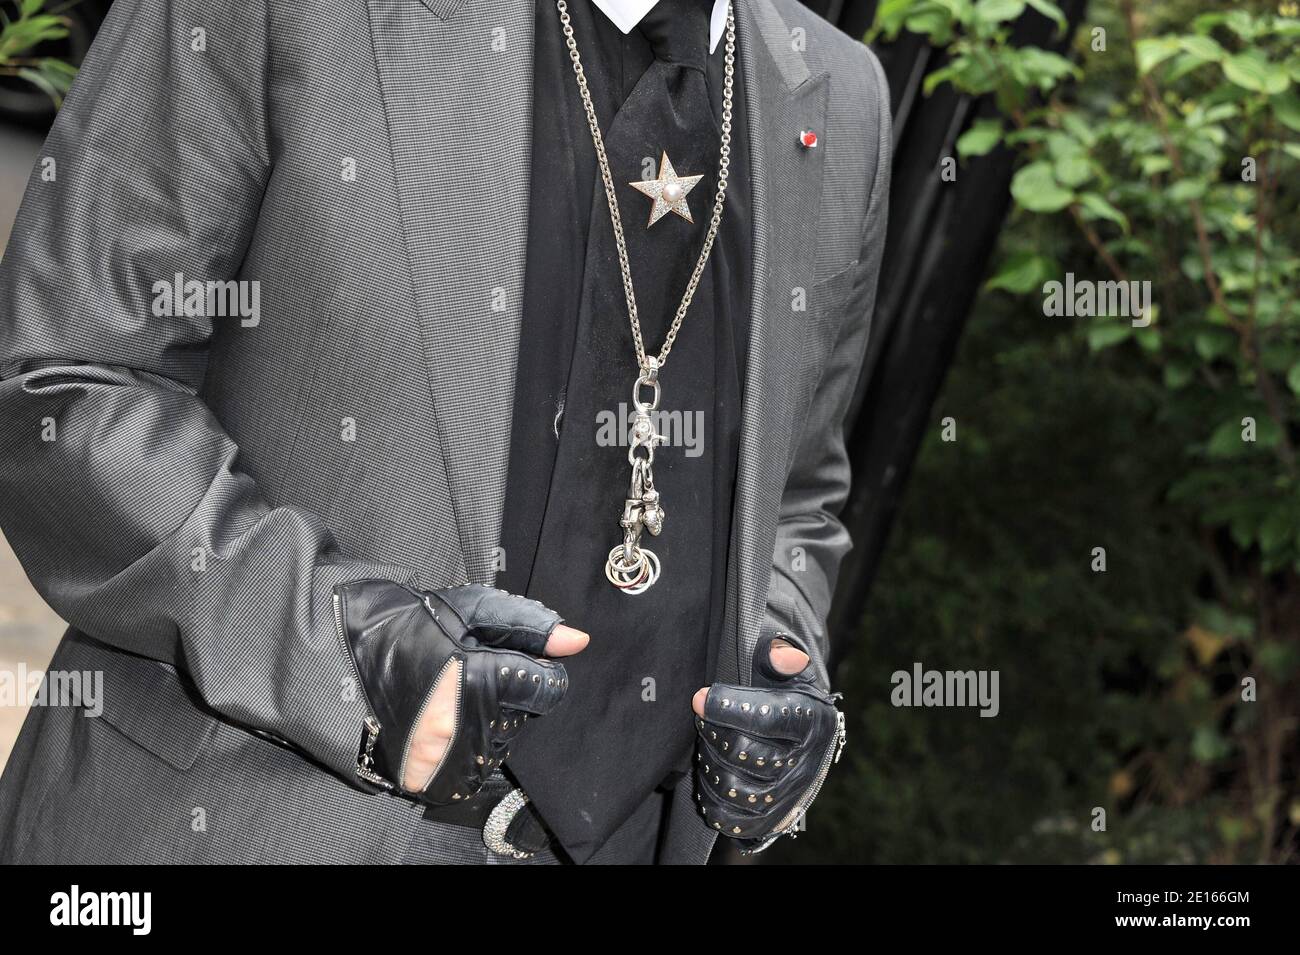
(668, 192)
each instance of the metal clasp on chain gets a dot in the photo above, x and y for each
(631, 567)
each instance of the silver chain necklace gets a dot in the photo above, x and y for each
(629, 566)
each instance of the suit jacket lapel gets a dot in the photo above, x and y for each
(461, 132)
(784, 99)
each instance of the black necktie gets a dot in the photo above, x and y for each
(599, 756)
(668, 111)
(678, 32)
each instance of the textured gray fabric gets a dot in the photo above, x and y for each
(209, 483)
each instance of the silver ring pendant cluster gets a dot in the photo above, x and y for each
(630, 567)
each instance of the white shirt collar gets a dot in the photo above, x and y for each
(626, 14)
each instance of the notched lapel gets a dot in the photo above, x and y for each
(444, 9)
(457, 92)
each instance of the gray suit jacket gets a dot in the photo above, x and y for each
(186, 491)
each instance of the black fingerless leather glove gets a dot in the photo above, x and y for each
(765, 750)
(404, 641)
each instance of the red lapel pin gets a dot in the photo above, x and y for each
(808, 139)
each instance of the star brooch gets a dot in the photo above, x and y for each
(668, 192)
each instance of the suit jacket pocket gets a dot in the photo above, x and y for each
(148, 702)
(826, 301)
(823, 322)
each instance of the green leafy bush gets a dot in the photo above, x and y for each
(1163, 149)
(21, 35)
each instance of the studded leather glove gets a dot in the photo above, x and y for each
(764, 750)
(405, 641)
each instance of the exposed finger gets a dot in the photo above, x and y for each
(786, 658)
(565, 641)
(697, 702)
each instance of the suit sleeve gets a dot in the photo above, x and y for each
(811, 541)
(119, 490)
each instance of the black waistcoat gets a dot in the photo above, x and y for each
(625, 727)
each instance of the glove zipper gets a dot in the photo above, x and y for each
(791, 819)
(366, 758)
(452, 661)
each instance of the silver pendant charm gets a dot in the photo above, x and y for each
(630, 567)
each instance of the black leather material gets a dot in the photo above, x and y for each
(526, 831)
(762, 748)
(403, 639)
